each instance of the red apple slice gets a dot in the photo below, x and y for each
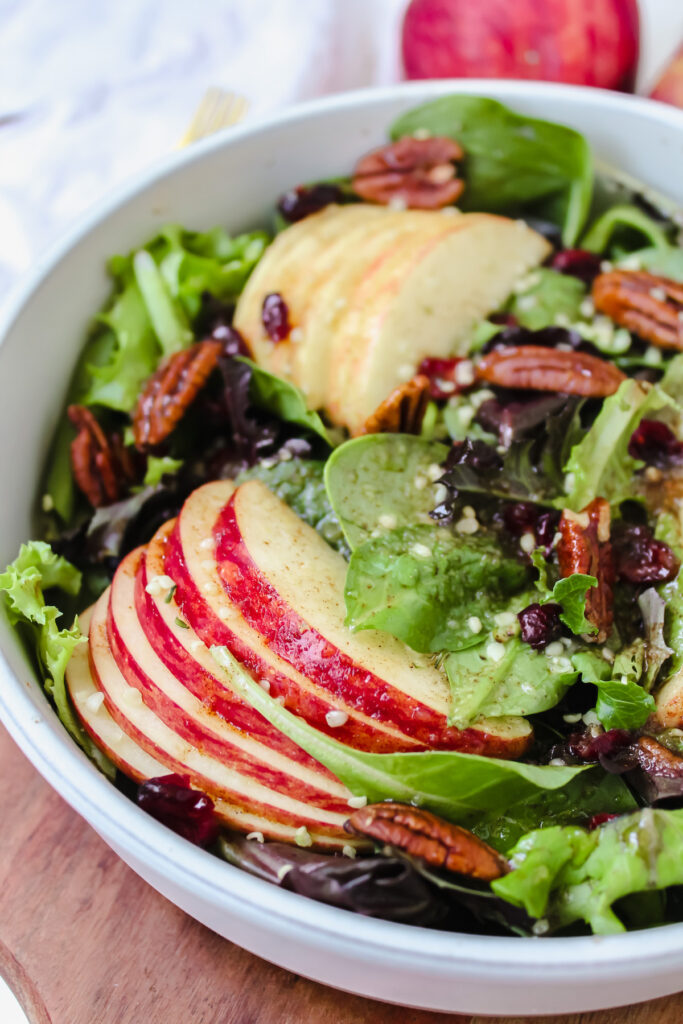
(207, 721)
(130, 712)
(138, 765)
(188, 657)
(289, 583)
(190, 562)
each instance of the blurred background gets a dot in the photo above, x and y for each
(92, 92)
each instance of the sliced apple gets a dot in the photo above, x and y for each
(289, 585)
(217, 620)
(218, 780)
(372, 291)
(669, 700)
(211, 722)
(137, 764)
(189, 658)
(429, 306)
(297, 265)
(329, 300)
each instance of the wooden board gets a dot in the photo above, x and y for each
(83, 940)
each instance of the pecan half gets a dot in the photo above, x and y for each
(403, 411)
(171, 390)
(422, 834)
(420, 173)
(102, 466)
(649, 305)
(549, 369)
(585, 547)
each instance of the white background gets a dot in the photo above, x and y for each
(92, 91)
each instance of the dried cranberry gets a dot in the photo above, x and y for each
(600, 819)
(189, 812)
(523, 517)
(640, 558)
(520, 518)
(655, 444)
(546, 528)
(441, 373)
(304, 200)
(275, 317)
(586, 747)
(577, 263)
(477, 455)
(540, 624)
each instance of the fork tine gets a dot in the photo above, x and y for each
(217, 109)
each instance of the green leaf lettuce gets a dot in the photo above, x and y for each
(600, 464)
(36, 569)
(565, 874)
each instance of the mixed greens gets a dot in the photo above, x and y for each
(453, 538)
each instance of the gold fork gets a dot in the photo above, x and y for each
(217, 109)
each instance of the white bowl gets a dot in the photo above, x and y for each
(232, 179)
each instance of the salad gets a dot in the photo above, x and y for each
(361, 535)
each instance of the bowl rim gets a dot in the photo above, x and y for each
(67, 769)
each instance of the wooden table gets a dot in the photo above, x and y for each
(83, 940)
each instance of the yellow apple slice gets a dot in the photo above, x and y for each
(428, 307)
(374, 244)
(292, 266)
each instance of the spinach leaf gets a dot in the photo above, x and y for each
(545, 296)
(594, 792)
(489, 682)
(423, 583)
(278, 397)
(600, 234)
(300, 484)
(513, 163)
(623, 703)
(460, 787)
(382, 481)
(600, 464)
(36, 569)
(570, 593)
(565, 874)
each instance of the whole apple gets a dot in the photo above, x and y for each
(584, 42)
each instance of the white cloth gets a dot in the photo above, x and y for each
(91, 91)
